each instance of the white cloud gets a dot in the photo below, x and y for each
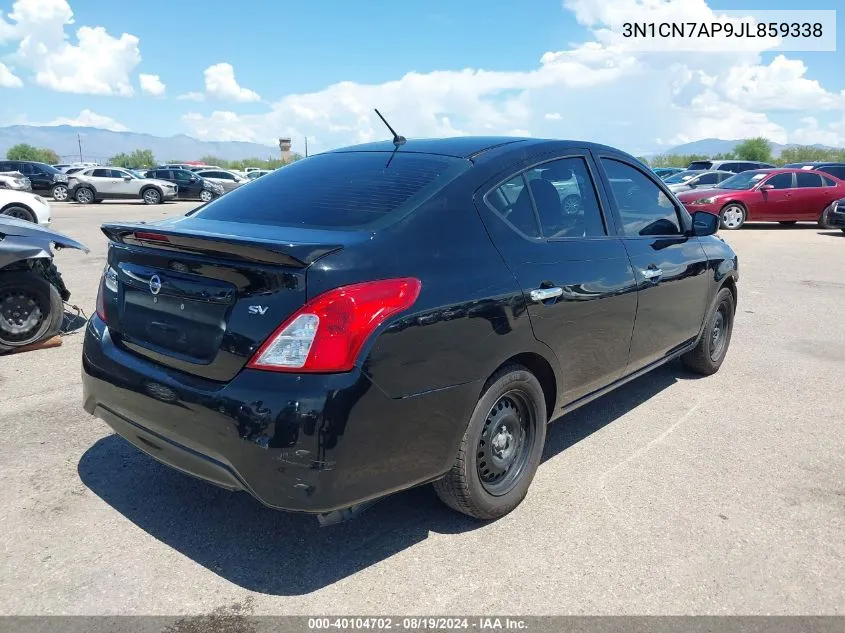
(8, 79)
(152, 85)
(98, 63)
(86, 118)
(651, 98)
(191, 96)
(220, 83)
(811, 133)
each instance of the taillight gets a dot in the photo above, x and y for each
(101, 304)
(108, 283)
(328, 332)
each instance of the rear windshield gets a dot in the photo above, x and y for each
(699, 164)
(337, 190)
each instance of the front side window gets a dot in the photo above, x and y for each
(744, 181)
(101, 173)
(643, 207)
(780, 181)
(808, 179)
(706, 179)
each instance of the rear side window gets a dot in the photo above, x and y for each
(338, 190)
(808, 179)
(699, 164)
(828, 182)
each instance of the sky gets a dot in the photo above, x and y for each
(257, 71)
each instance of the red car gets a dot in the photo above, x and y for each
(767, 195)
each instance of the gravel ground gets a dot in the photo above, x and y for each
(674, 495)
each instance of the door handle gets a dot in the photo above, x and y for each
(543, 294)
(652, 274)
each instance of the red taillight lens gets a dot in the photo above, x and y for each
(328, 332)
(146, 236)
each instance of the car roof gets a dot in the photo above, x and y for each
(467, 146)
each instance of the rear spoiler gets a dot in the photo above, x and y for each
(218, 245)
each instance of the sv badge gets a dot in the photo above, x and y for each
(262, 310)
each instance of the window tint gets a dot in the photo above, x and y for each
(780, 181)
(643, 207)
(699, 164)
(834, 170)
(26, 169)
(101, 173)
(119, 173)
(808, 179)
(6, 166)
(707, 179)
(734, 167)
(512, 203)
(828, 182)
(181, 175)
(338, 189)
(565, 198)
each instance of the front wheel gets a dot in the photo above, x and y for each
(732, 216)
(30, 309)
(708, 354)
(206, 195)
(59, 192)
(151, 196)
(21, 213)
(84, 195)
(501, 448)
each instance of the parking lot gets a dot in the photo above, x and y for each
(675, 494)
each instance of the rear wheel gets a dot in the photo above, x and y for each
(151, 196)
(59, 192)
(206, 195)
(19, 212)
(732, 216)
(84, 195)
(501, 448)
(30, 309)
(708, 354)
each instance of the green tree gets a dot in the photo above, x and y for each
(643, 160)
(134, 160)
(215, 160)
(808, 153)
(22, 151)
(757, 148)
(724, 156)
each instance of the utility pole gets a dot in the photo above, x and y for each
(79, 142)
(306, 147)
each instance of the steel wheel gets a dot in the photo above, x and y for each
(733, 217)
(505, 443)
(21, 316)
(720, 332)
(60, 193)
(152, 196)
(206, 195)
(84, 196)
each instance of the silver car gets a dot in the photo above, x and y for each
(696, 178)
(15, 180)
(111, 183)
(225, 179)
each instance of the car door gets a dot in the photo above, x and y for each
(669, 265)
(104, 182)
(813, 196)
(773, 205)
(123, 184)
(226, 180)
(573, 269)
(187, 188)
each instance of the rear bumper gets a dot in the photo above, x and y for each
(307, 443)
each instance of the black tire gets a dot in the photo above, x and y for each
(727, 216)
(97, 200)
(20, 212)
(843, 230)
(788, 222)
(84, 195)
(59, 192)
(708, 354)
(513, 398)
(151, 195)
(206, 195)
(30, 309)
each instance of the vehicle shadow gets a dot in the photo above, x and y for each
(281, 553)
(833, 233)
(774, 226)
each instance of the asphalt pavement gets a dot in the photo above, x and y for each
(673, 495)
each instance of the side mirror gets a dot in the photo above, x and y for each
(766, 187)
(127, 178)
(704, 223)
(192, 179)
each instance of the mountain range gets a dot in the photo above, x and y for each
(100, 145)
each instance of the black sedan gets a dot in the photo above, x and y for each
(190, 186)
(408, 313)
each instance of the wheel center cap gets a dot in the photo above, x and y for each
(502, 443)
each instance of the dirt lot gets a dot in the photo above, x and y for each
(674, 495)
